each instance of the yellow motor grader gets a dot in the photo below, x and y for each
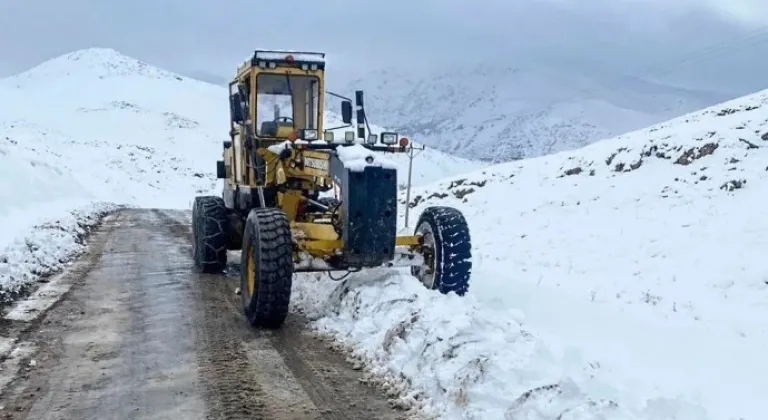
(296, 199)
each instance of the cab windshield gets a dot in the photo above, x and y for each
(285, 104)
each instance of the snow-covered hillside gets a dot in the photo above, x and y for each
(95, 125)
(498, 113)
(623, 280)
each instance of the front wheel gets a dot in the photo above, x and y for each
(266, 269)
(447, 250)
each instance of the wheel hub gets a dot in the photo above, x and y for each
(426, 271)
(250, 275)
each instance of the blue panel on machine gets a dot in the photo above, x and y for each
(369, 202)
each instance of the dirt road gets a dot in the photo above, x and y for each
(140, 335)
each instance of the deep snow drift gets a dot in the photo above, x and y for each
(623, 280)
(97, 126)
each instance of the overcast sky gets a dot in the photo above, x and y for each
(689, 40)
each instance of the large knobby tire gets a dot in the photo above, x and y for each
(266, 271)
(210, 232)
(447, 250)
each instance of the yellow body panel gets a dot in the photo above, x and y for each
(320, 249)
(289, 202)
(325, 246)
(320, 240)
(314, 231)
(310, 166)
(411, 241)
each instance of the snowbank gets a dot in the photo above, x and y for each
(447, 356)
(46, 249)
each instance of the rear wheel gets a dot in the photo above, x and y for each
(210, 233)
(447, 250)
(266, 272)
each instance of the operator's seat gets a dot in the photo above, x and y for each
(268, 129)
(280, 129)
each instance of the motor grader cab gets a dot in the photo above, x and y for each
(279, 169)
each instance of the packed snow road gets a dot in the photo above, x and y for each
(140, 335)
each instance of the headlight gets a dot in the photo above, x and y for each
(389, 138)
(372, 138)
(328, 136)
(308, 134)
(349, 136)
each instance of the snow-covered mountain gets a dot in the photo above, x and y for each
(623, 280)
(499, 113)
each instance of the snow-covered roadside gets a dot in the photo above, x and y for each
(47, 248)
(449, 357)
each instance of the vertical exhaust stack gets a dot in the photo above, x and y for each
(361, 122)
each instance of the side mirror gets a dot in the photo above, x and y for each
(346, 112)
(237, 109)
